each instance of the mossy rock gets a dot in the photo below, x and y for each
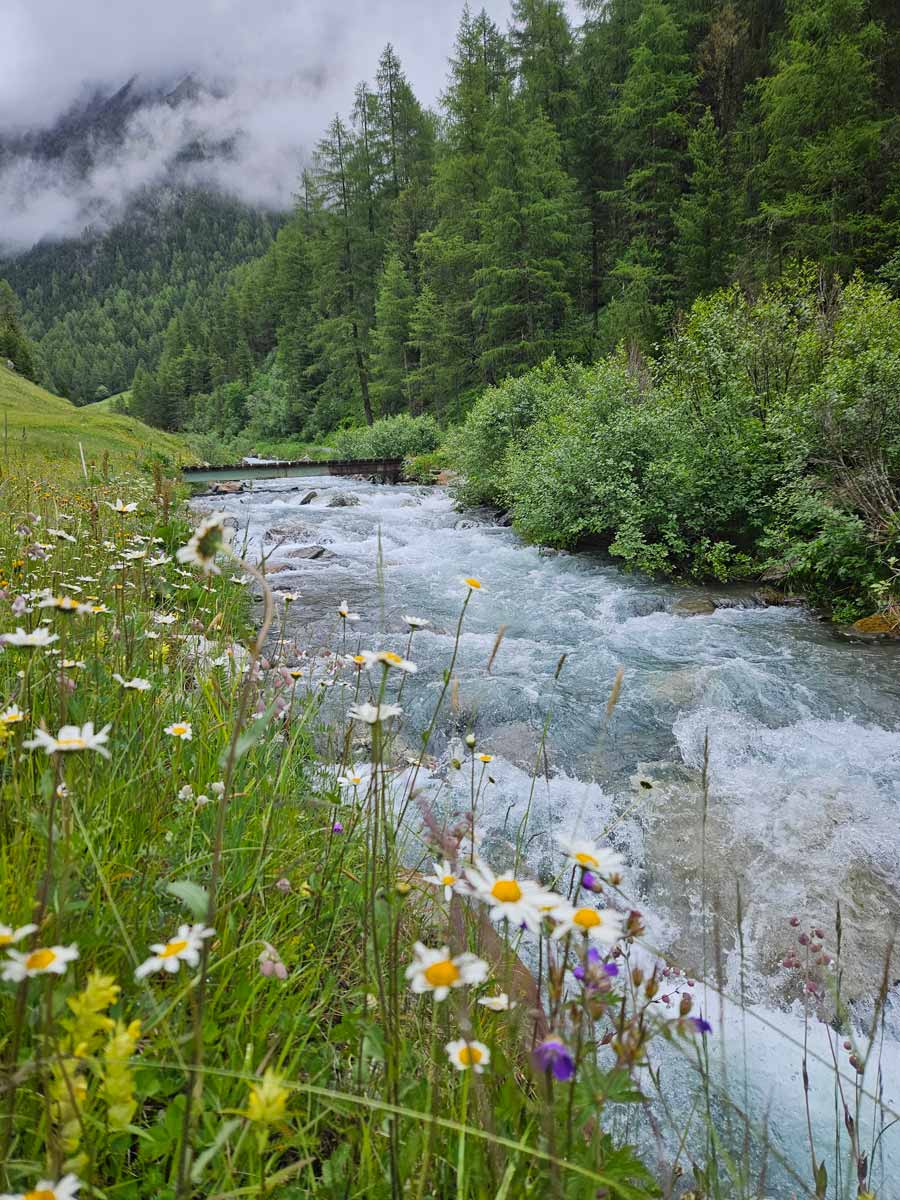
(882, 623)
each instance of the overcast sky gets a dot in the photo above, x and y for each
(291, 64)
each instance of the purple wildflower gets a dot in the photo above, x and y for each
(593, 967)
(337, 827)
(700, 1025)
(552, 1054)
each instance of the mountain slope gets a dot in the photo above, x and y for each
(38, 427)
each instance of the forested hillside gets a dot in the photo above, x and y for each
(578, 188)
(100, 304)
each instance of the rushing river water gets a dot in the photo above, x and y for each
(804, 757)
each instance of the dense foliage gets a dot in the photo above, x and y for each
(100, 304)
(578, 188)
(764, 437)
(15, 345)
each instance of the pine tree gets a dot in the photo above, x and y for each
(544, 52)
(705, 219)
(393, 358)
(523, 297)
(826, 175)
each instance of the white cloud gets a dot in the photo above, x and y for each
(285, 65)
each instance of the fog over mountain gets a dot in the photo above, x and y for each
(99, 100)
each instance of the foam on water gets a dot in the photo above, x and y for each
(804, 746)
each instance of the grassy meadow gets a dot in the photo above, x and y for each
(226, 970)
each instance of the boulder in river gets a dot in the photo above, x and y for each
(343, 500)
(310, 552)
(226, 487)
(698, 606)
(309, 497)
(287, 533)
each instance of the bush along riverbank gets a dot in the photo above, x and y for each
(762, 440)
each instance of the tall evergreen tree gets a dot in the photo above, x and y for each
(706, 217)
(393, 357)
(826, 177)
(529, 244)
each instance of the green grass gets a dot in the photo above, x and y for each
(41, 429)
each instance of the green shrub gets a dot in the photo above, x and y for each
(765, 435)
(391, 437)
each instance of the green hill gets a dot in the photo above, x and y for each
(37, 426)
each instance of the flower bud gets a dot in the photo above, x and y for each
(685, 1005)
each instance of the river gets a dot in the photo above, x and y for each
(804, 757)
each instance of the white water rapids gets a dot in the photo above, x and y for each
(804, 763)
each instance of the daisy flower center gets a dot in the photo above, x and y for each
(39, 960)
(173, 948)
(507, 891)
(178, 730)
(449, 880)
(5, 939)
(473, 583)
(41, 1194)
(587, 918)
(442, 974)
(76, 743)
(469, 1055)
(587, 860)
(391, 657)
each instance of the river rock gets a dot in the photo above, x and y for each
(504, 520)
(771, 598)
(226, 487)
(309, 497)
(287, 533)
(343, 500)
(700, 606)
(310, 552)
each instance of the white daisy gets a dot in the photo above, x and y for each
(463, 1055)
(181, 730)
(46, 960)
(62, 535)
(207, 540)
(372, 713)
(444, 876)
(499, 1003)
(164, 618)
(602, 925)
(159, 560)
(134, 685)
(416, 622)
(386, 658)
(345, 614)
(185, 947)
(65, 1189)
(12, 715)
(71, 737)
(121, 507)
(435, 971)
(38, 637)
(474, 585)
(601, 860)
(9, 936)
(519, 901)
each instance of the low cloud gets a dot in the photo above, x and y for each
(280, 69)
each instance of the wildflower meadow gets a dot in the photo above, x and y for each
(244, 953)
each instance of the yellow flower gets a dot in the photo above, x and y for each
(473, 584)
(267, 1101)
